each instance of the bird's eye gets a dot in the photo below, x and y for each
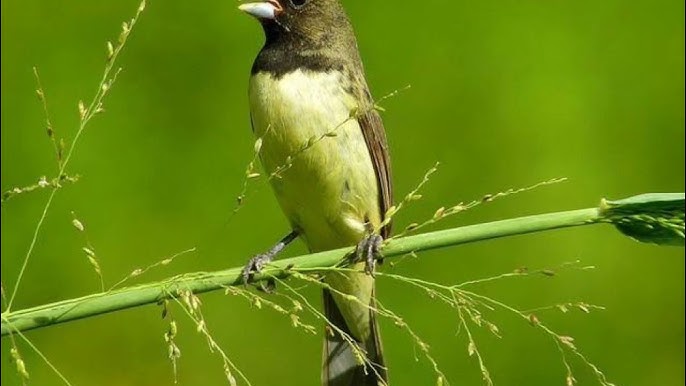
(298, 3)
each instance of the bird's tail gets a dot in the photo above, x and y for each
(342, 366)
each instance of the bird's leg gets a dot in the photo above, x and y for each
(368, 251)
(258, 262)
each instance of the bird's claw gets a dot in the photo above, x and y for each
(255, 265)
(368, 251)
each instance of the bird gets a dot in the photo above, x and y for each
(324, 145)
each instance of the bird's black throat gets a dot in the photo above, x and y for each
(279, 61)
(286, 51)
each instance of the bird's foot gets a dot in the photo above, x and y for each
(368, 251)
(255, 265)
(258, 262)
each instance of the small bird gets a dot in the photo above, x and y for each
(325, 144)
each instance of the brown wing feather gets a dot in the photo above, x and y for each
(375, 137)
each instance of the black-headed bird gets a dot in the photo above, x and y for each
(312, 110)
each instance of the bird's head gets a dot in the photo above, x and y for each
(311, 19)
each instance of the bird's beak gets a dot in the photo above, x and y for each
(263, 10)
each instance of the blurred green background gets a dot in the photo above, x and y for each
(504, 94)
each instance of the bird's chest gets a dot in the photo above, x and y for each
(314, 151)
(297, 111)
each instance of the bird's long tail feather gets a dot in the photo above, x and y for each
(341, 365)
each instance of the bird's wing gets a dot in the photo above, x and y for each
(375, 137)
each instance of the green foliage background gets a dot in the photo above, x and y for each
(504, 94)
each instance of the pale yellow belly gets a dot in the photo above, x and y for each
(328, 189)
(329, 192)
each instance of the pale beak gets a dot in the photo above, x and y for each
(263, 10)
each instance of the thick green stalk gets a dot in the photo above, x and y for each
(106, 302)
